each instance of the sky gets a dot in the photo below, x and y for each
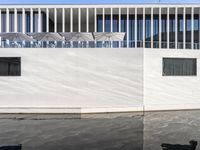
(93, 1)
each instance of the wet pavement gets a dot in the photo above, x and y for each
(100, 132)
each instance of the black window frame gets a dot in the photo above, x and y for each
(11, 73)
(186, 75)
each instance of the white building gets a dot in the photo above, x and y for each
(155, 67)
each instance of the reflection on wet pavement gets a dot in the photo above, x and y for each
(191, 146)
(175, 130)
(73, 134)
(16, 147)
(172, 127)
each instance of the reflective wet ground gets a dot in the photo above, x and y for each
(100, 132)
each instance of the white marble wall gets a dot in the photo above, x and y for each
(73, 78)
(169, 92)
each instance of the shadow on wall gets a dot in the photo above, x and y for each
(16, 147)
(191, 146)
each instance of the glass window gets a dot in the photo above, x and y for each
(99, 23)
(188, 32)
(107, 23)
(123, 28)
(19, 22)
(10, 66)
(115, 23)
(35, 22)
(180, 31)
(131, 31)
(155, 31)
(43, 22)
(140, 31)
(115, 28)
(3, 22)
(27, 20)
(172, 31)
(11, 22)
(148, 31)
(196, 30)
(164, 31)
(99, 28)
(179, 66)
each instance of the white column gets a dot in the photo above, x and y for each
(143, 28)
(87, 20)
(176, 27)
(136, 27)
(39, 20)
(119, 24)
(95, 19)
(31, 20)
(151, 27)
(71, 20)
(127, 28)
(160, 30)
(7, 20)
(47, 19)
(103, 20)
(168, 27)
(79, 20)
(0, 20)
(63, 20)
(55, 19)
(184, 28)
(23, 21)
(15, 20)
(192, 28)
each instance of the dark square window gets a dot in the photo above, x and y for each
(10, 66)
(179, 66)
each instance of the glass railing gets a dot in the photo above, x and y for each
(97, 44)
